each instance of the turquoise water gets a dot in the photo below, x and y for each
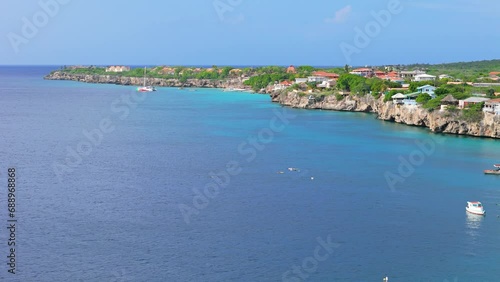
(115, 216)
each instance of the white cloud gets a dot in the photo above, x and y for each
(341, 15)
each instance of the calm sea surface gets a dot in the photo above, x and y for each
(182, 185)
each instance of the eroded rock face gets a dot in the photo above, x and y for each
(120, 80)
(436, 121)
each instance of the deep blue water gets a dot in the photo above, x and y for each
(114, 214)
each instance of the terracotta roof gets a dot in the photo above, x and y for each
(494, 101)
(325, 74)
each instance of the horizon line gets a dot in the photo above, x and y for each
(242, 65)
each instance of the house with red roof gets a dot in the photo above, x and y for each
(380, 74)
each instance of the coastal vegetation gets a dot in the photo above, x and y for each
(466, 71)
(259, 78)
(473, 113)
(361, 85)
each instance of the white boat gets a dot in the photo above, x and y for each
(145, 88)
(475, 208)
(495, 171)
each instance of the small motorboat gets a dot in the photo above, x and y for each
(475, 208)
(493, 171)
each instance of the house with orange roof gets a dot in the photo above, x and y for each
(495, 75)
(328, 75)
(291, 69)
(168, 70)
(282, 85)
(366, 72)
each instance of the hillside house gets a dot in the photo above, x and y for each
(471, 101)
(427, 89)
(492, 106)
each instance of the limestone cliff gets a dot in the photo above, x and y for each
(436, 121)
(122, 80)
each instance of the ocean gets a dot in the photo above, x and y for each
(207, 185)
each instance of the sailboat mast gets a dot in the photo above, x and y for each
(144, 76)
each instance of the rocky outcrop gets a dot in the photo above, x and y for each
(436, 121)
(159, 82)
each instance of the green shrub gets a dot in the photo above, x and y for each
(423, 98)
(474, 113)
(433, 104)
(389, 95)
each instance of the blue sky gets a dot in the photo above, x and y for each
(247, 32)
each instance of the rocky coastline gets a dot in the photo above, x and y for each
(236, 83)
(436, 121)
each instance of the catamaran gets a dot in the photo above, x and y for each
(145, 88)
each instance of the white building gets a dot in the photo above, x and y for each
(492, 106)
(443, 76)
(327, 84)
(424, 77)
(410, 74)
(117, 69)
(317, 79)
(301, 80)
(398, 98)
